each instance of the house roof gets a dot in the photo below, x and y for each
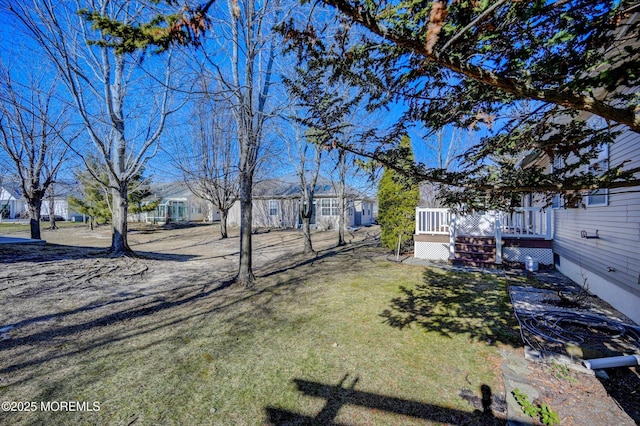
(10, 188)
(169, 190)
(288, 186)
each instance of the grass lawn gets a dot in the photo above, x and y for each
(11, 227)
(349, 338)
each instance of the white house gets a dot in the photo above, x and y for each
(276, 204)
(11, 206)
(177, 204)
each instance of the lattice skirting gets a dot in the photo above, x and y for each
(431, 251)
(518, 254)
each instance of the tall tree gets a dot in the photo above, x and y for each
(306, 155)
(397, 201)
(253, 48)
(34, 133)
(457, 63)
(209, 165)
(102, 70)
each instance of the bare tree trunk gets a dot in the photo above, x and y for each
(224, 214)
(342, 170)
(34, 204)
(306, 234)
(52, 211)
(245, 271)
(119, 244)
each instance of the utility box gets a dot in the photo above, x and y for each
(530, 263)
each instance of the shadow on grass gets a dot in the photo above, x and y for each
(337, 396)
(174, 307)
(452, 303)
(13, 253)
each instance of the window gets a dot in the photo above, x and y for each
(557, 201)
(600, 164)
(329, 207)
(273, 207)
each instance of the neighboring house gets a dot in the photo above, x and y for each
(597, 244)
(14, 205)
(61, 208)
(177, 204)
(11, 205)
(276, 204)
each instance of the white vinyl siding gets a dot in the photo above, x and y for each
(599, 165)
(615, 255)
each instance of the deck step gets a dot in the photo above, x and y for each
(475, 251)
(475, 255)
(483, 248)
(475, 263)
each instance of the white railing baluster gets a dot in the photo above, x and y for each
(524, 222)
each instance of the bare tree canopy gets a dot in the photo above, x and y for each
(207, 154)
(122, 105)
(34, 134)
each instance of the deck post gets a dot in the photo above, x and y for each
(452, 237)
(498, 235)
(549, 233)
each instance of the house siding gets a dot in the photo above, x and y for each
(286, 216)
(611, 263)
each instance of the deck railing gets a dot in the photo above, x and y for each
(528, 222)
(432, 221)
(523, 222)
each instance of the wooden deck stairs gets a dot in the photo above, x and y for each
(475, 251)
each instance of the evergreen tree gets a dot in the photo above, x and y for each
(398, 199)
(97, 201)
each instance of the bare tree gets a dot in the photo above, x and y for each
(33, 128)
(209, 165)
(301, 147)
(246, 28)
(446, 145)
(123, 108)
(51, 198)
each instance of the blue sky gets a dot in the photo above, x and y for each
(17, 49)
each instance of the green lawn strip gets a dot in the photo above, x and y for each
(11, 227)
(313, 324)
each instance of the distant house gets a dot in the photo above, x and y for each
(11, 205)
(14, 206)
(61, 207)
(177, 204)
(276, 204)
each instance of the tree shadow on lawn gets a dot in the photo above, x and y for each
(14, 253)
(457, 303)
(338, 396)
(190, 302)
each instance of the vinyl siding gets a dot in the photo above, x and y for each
(615, 255)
